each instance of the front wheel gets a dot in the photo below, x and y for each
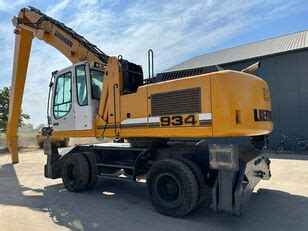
(75, 172)
(172, 188)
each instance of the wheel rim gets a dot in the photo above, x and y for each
(168, 189)
(72, 174)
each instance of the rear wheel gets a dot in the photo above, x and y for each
(75, 172)
(172, 188)
(204, 190)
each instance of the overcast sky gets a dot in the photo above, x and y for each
(175, 30)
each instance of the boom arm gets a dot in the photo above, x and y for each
(30, 23)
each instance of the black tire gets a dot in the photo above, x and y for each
(172, 188)
(75, 172)
(93, 170)
(204, 190)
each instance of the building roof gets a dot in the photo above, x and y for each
(281, 44)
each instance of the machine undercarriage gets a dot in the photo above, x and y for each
(225, 174)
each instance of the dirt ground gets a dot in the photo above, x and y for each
(28, 201)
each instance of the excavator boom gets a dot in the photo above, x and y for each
(30, 23)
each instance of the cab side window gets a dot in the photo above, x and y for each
(97, 79)
(81, 85)
(63, 95)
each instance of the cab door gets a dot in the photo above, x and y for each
(73, 108)
(62, 113)
(83, 104)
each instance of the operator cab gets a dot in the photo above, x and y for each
(76, 91)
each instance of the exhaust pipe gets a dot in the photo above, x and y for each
(252, 68)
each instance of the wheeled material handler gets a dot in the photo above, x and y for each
(154, 122)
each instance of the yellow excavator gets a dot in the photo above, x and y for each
(155, 122)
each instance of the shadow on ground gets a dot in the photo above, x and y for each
(120, 205)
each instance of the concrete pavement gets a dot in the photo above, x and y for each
(28, 201)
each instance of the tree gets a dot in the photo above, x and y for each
(4, 109)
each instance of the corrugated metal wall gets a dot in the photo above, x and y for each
(287, 76)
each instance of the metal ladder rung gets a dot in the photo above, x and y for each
(117, 177)
(115, 166)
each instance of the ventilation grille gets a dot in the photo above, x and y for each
(184, 73)
(176, 102)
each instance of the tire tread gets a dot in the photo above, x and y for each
(190, 186)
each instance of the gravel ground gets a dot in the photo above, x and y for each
(28, 201)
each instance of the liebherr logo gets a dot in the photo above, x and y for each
(261, 115)
(62, 38)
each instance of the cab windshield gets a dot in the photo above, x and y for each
(97, 78)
